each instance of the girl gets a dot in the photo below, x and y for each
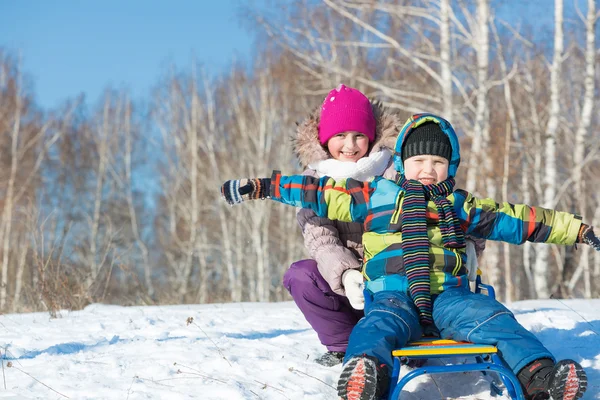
(348, 136)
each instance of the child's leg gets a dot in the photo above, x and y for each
(391, 320)
(463, 315)
(329, 314)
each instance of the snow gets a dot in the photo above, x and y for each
(232, 351)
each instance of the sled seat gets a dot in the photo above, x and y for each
(436, 347)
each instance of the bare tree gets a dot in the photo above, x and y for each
(29, 142)
(481, 135)
(240, 130)
(445, 60)
(101, 137)
(550, 174)
(128, 182)
(580, 142)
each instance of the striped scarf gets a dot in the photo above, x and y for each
(415, 243)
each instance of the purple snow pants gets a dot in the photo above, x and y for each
(329, 314)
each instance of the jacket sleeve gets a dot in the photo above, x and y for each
(345, 200)
(515, 223)
(321, 239)
(323, 243)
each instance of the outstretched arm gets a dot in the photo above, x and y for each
(344, 200)
(515, 223)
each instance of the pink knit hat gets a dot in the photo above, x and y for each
(346, 109)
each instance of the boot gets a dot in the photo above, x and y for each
(363, 378)
(331, 358)
(542, 379)
(568, 381)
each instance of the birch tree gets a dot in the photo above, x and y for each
(532, 161)
(479, 154)
(135, 224)
(358, 34)
(232, 128)
(101, 217)
(178, 127)
(29, 140)
(101, 139)
(550, 172)
(581, 136)
(445, 60)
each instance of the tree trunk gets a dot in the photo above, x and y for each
(100, 176)
(23, 250)
(130, 203)
(445, 61)
(550, 172)
(480, 140)
(581, 136)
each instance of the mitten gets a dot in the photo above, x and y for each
(587, 236)
(238, 190)
(353, 285)
(430, 330)
(479, 244)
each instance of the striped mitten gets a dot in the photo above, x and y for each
(238, 190)
(587, 236)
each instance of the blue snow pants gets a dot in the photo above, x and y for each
(391, 320)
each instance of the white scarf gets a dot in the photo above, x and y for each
(361, 170)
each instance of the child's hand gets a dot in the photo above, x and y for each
(431, 330)
(587, 236)
(353, 285)
(238, 190)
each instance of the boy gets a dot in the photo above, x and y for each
(415, 260)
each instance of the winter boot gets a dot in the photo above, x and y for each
(331, 358)
(568, 381)
(542, 379)
(363, 378)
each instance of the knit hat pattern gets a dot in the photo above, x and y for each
(427, 139)
(346, 109)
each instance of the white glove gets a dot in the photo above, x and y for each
(353, 285)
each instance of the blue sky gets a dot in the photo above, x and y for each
(73, 47)
(70, 47)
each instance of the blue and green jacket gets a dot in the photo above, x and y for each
(377, 204)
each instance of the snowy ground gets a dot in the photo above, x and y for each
(231, 351)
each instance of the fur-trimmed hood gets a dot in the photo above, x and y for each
(308, 149)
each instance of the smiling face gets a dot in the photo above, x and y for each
(348, 146)
(427, 169)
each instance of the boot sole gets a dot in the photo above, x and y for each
(358, 380)
(570, 379)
